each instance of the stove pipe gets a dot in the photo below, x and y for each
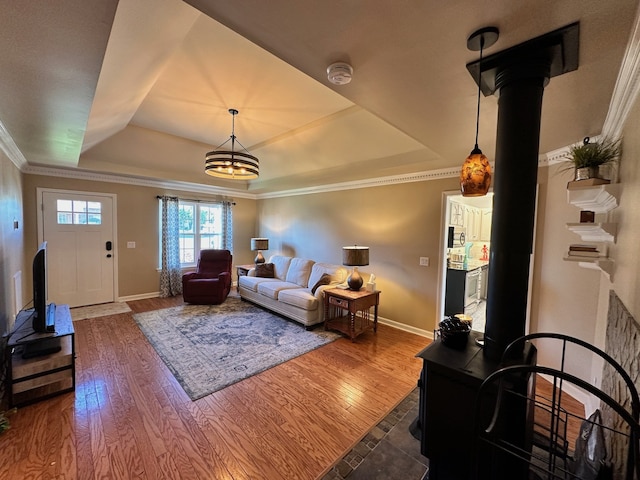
(519, 75)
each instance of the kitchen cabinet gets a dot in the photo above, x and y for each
(457, 214)
(485, 225)
(473, 222)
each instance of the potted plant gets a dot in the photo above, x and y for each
(587, 158)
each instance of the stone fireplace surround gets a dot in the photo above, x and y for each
(623, 344)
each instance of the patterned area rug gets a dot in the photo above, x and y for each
(94, 311)
(208, 347)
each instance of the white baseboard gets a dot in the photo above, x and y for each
(406, 328)
(141, 296)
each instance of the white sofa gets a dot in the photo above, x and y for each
(289, 292)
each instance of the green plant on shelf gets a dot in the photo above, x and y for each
(585, 159)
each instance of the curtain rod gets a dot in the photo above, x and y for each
(159, 197)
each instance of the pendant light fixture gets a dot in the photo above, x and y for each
(475, 175)
(231, 164)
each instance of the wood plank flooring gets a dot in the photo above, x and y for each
(129, 418)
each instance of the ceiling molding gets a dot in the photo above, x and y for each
(627, 86)
(424, 176)
(373, 182)
(555, 156)
(134, 180)
(10, 149)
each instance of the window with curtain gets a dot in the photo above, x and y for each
(202, 225)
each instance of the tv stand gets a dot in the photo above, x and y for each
(50, 319)
(41, 364)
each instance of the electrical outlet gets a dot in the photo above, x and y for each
(131, 244)
(424, 261)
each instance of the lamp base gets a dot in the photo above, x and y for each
(354, 280)
(259, 258)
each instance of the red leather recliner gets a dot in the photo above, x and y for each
(211, 282)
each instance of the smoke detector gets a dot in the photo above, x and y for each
(339, 73)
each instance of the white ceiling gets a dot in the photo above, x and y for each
(143, 87)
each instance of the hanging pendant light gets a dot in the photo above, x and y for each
(231, 164)
(475, 175)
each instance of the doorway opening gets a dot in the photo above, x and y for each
(80, 230)
(467, 243)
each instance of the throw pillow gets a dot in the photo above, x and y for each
(264, 270)
(325, 279)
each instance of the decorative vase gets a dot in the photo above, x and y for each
(585, 173)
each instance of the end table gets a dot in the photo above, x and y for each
(348, 311)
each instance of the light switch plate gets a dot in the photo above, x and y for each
(424, 261)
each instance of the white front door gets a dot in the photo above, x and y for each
(81, 248)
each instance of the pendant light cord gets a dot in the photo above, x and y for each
(233, 131)
(479, 80)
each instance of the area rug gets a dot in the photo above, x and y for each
(209, 347)
(94, 311)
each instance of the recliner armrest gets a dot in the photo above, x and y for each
(189, 276)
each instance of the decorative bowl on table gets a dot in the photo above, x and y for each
(454, 332)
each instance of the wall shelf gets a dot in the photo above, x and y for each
(598, 199)
(595, 232)
(593, 263)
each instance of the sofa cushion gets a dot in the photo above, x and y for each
(338, 273)
(273, 288)
(280, 266)
(299, 297)
(251, 283)
(325, 279)
(299, 271)
(265, 270)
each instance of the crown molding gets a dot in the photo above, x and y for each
(625, 92)
(373, 182)
(79, 174)
(10, 149)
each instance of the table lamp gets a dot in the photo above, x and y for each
(259, 244)
(355, 256)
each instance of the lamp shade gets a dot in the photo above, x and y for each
(475, 175)
(355, 256)
(259, 244)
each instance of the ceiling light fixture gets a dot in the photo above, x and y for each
(475, 175)
(231, 164)
(339, 73)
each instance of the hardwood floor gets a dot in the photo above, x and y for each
(129, 417)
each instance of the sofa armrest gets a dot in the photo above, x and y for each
(320, 291)
(251, 272)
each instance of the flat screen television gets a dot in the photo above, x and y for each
(43, 314)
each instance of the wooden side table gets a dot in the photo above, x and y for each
(349, 311)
